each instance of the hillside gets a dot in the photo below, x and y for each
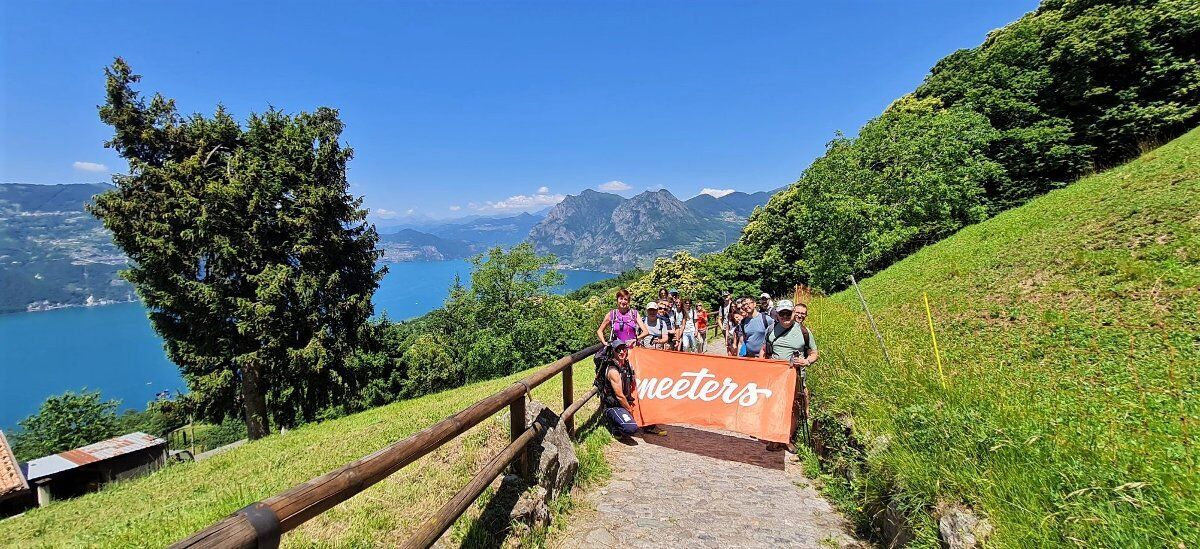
(174, 502)
(597, 230)
(486, 232)
(52, 252)
(412, 245)
(1072, 364)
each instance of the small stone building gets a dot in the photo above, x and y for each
(76, 472)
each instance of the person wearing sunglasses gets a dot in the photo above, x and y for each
(790, 337)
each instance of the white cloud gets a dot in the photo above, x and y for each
(89, 166)
(520, 202)
(455, 208)
(615, 186)
(409, 211)
(384, 213)
(715, 193)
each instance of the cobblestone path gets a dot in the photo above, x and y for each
(705, 488)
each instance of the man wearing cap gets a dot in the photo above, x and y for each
(790, 337)
(653, 330)
(765, 306)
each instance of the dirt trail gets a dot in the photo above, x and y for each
(704, 488)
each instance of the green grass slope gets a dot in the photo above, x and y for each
(174, 502)
(1070, 341)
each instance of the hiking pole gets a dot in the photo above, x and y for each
(870, 318)
(803, 396)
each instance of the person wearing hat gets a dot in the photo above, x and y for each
(652, 328)
(791, 338)
(617, 395)
(765, 306)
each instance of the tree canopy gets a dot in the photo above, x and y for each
(256, 264)
(1075, 86)
(65, 422)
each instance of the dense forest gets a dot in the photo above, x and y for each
(1071, 88)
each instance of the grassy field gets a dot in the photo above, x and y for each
(1070, 340)
(174, 502)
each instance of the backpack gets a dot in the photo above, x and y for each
(660, 323)
(770, 341)
(612, 322)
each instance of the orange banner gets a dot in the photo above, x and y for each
(750, 396)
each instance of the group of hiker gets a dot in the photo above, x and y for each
(752, 328)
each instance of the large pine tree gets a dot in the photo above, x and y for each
(255, 262)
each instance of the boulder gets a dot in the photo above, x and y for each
(892, 526)
(552, 458)
(960, 528)
(531, 509)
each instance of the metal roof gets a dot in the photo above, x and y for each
(100, 451)
(12, 481)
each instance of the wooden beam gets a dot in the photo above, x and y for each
(307, 500)
(433, 528)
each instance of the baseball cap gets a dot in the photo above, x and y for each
(784, 305)
(617, 343)
(725, 293)
(673, 291)
(765, 295)
(652, 305)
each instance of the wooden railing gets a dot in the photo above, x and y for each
(261, 524)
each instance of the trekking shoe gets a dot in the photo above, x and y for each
(655, 430)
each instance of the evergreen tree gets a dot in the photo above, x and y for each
(256, 264)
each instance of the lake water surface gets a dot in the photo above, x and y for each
(113, 348)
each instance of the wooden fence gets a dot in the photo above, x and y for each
(261, 524)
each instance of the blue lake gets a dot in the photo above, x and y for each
(113, 349)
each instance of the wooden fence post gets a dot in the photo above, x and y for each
(516, 426)
(568, 381)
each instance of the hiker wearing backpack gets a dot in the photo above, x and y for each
(791, 338)
(616, 381)
(623, 321)
(755, 327)
(654, 331)
(766, 306)
(702, 326)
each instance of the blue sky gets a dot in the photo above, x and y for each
(457, 108)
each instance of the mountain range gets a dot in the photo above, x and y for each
(607, 232)
(54, 254)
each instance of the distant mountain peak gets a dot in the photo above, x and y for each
(606, 231)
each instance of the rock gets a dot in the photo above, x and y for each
(531, 509)
(892, 526)
(960, 528)
(553, 452)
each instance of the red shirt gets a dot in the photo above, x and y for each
(701, 321)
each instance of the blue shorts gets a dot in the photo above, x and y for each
(621, 420)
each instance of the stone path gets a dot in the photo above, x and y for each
(701, 488)
(705, 488)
